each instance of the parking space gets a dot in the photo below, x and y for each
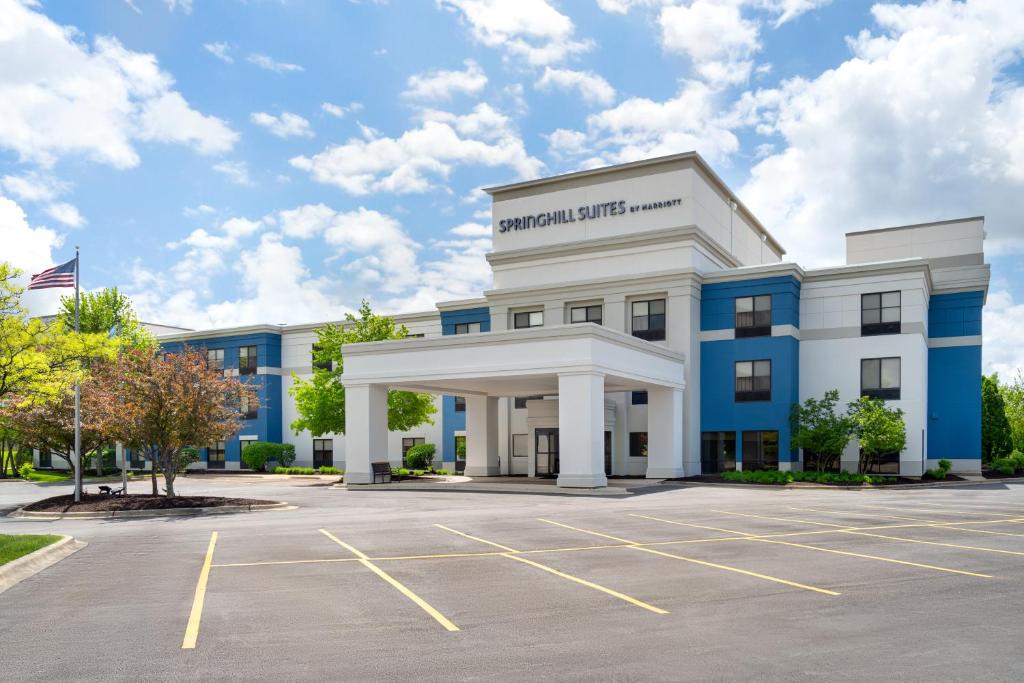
(488, 585)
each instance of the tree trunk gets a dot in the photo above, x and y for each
(99, 462)
(169, 480)
(152, 473)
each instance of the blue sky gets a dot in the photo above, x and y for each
(238, 162)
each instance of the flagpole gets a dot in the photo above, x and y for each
(78, 403)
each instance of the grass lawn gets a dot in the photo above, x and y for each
(49, 476)
(13, 547)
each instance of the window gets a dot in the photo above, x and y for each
(880, 378)
(586, 314)
(460, 453)
(247, 408)
(324, 364)
(754, 380)
(409, 442)
(215, 455)
(214, 359)
(717, 452)
(460, 404)
(760, 451)
(247, 360)
(887, 463)
(467, 328)
(638, 444)
(880, 313)
(520, 401)
(649, 319)
(528, 319)
(813, 462)
(638, 398)
(323, 452)
(519, 445)
(754, 316)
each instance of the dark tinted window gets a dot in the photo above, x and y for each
(754, 380)
(648, 319)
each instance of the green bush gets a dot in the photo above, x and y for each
(256, 454)
(442, 472)
(782, 478)
(26, 470)
(1005, 466)
(188, 456)
(1018, 460)
(287, 455)
(329, 470)
(420, 456)
(296, 470)
(937, 473)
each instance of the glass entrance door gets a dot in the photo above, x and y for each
(546, 451)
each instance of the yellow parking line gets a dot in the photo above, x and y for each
(945, 511)
(873, 557)
(192, 629)
(695, 526)
(513, 554)
(932, 523)
(945, 545)
(737, 570)
(783, 519)
(423, 604)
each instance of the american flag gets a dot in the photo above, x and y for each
(58, 276)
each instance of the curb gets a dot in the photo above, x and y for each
(175, 512)
(607, 492)
(833, 487)
(22, 568)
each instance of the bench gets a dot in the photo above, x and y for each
(106, 490)
(381, 469)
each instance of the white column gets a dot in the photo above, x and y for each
(366, 430)
(581, 430)
(482, 436)
(664, 433)
(683, 317)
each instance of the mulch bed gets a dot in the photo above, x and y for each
(992, 474)
(719, 479)
(93, 502)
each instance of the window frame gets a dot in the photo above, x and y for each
(587, 309)
(638, 441)
(467, 328)
(322, 450)
(460, 404)
(529, 319)
(638, 398)
(754, 394)
(648, 332)
(871, 329)
(251, 359)
(215, 363)
(756, 327)
(762, 464)
(885, 393)
(248, 411)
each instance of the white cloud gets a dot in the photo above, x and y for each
(235, 171)
(472, 230)
(197, 211)
(25, 247)
(525, 29)
(441, 85)
(184, 5)
(65, 213)
(339, 111)
(624, 6)
(58, 96)
(791, 9)
(639, 128)
(419, 158)
(270, 64)
(1003, 320)
(33, 186)
(306, 221)
(714, 35)
(594, 89)
(284, 126)
(922, 123)
(461, 272)
(221, 51)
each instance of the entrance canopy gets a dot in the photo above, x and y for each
(523, 362)
(579, 363)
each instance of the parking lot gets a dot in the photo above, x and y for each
(670, 583)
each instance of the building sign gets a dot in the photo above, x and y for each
(592, 212)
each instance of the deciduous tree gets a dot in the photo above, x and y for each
(165, 404)
(106, 311)
(320, 401)
(818, 427)
(879, 429)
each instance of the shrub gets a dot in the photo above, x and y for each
(420, 456)
(287, 455)
(945, 465)
(187, 456)
(26, 470)
(937, 473)
(1005, 466)
(256, 454)
(782, 478)
(1018, 460)
(329, 470)
(296, 470)
(442, 472)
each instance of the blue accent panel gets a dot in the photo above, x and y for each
(268, 425)
(954, 402)
(452, 421)
(719, 411)
(718, 306)
(955, 315)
